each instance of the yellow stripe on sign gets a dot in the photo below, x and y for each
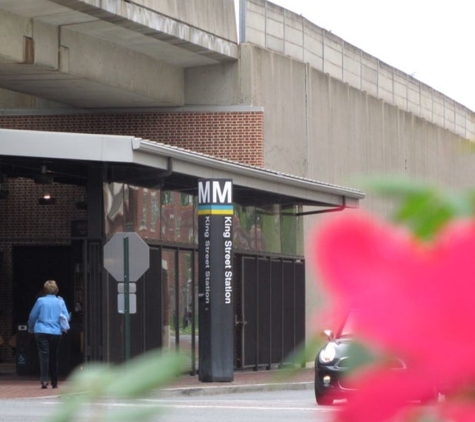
(215, 212)
(211, 209)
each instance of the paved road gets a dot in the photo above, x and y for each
(250, 407)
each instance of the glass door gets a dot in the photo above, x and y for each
(181, 323)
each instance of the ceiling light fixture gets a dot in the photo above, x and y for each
(47, 199)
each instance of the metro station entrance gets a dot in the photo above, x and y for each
(104, 185)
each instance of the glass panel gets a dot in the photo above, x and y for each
(114, 194)
(292, 232)
(178, 217)
(264, 229)
(195, 220)
(244, 227)
(168, 216)
(143, 212)
(169, 298)
(185, 291)
(179, 320)
(185, 220)
(299, 234)
(132, 208)
(268, 229)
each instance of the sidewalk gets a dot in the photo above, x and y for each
(13, 386)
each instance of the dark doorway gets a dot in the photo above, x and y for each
(32, 266)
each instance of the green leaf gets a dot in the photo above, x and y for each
(146, 372)
(395, 186)
(130, 380)
(307, 352)
(359, 356)
(85, 384)
(91, 380)
(69, 408)
(424, 214)
(423, 208)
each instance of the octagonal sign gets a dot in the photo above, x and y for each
(139, 256)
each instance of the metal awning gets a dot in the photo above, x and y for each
(141, 162)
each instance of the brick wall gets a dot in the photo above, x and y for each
(49, 222)
(236, 136)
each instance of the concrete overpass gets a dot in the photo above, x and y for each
(111, 53)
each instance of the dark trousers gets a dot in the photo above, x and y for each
(48, 349)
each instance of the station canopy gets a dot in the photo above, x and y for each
(140, 162)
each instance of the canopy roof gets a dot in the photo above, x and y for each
(145, 163)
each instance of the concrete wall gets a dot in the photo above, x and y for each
(212, 85)
(319, 127)
(277, 29)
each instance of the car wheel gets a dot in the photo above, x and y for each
(323, 399)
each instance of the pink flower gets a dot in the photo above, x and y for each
(460, 411)
(414, 300)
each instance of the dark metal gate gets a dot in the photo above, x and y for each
(270, 310)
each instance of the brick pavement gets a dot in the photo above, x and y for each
(20, 386)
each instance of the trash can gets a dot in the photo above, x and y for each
(26, 352)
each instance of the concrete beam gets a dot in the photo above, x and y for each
(70, 67)
(212, 33)
(111, 53)
(118, 67)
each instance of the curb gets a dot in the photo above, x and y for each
(230, 389)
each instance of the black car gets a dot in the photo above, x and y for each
(343, 354)
(334, 361)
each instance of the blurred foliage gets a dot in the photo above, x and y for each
(424, 208)
(300, 356)
(360, 356)
(131, 380)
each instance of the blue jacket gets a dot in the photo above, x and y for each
(44, 317)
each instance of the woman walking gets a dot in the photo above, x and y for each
(44, 322)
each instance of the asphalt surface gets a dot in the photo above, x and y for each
(22, 386)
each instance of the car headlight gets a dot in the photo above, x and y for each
(327, 354)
